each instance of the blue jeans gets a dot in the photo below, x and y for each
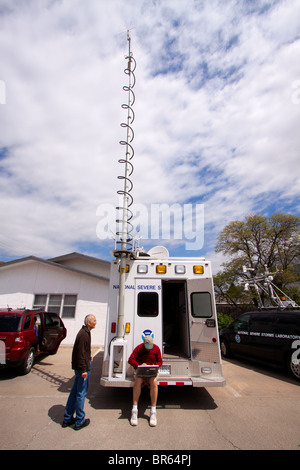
(76, 399)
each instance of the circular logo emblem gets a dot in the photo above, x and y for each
(147, 333)
(237, 338)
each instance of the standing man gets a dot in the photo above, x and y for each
(81, 363)
(145, 353)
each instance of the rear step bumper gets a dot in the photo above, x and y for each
(194, 382)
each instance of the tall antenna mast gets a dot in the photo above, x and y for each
(126, 214)
(124, 233)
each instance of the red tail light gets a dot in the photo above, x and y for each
(19, 340)
(113, 327)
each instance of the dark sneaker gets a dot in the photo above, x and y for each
(65, 424)
(85, 423)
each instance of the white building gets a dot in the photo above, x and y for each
(72, 285)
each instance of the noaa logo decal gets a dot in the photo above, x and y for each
(147, 333)
(237, 338)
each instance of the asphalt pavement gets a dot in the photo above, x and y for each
(258, 409)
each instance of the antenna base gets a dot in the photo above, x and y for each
(119, 253)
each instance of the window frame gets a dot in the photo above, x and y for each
(144, 295)
(59, 307)
(194, 306)
(65, 306)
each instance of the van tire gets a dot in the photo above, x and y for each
(28, 362)
(225, 349)
(294, 369)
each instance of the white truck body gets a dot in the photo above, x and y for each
(174, 299)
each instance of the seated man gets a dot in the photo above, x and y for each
(145, 353)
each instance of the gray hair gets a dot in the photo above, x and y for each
(87, 319)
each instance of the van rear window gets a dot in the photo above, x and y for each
(147, 304)
(201, 304)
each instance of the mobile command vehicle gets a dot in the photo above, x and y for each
(271, 336)
(24, 334)
(173, 299)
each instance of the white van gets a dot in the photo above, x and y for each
(173, 299)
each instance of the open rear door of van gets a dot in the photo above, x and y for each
(203, 322)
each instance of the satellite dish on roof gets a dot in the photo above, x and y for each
(159, 252)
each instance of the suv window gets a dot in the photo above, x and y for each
(262, 322)
(9, 323)
(242, 322)
(286, 323)
(274, 323)
(27, 322)
(51, 320)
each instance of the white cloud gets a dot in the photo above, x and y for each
(215, 120)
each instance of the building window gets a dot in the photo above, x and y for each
(40, 301)
(54, 304)
(69, 306)
(62, 304)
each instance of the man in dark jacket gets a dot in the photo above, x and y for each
(145, 353)
(81, 363)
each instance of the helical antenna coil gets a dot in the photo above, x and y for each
(127, 213)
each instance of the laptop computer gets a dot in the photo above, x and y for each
(147, 371)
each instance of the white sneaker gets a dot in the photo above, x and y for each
(153, 420)
(134, 418)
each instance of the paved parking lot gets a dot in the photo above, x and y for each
(258, 409)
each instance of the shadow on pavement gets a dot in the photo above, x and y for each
(188, 398)
(56, 413)
(268, 370)
(102, 398)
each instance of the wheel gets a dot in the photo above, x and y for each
(28, 363)
(225, 349)
(294, 368)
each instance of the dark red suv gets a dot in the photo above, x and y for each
(26, 333)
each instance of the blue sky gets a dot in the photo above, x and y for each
(217, 115)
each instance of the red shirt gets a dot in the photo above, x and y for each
(141, 355)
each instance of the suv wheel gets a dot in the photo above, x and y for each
(294, 369)
(28, 363)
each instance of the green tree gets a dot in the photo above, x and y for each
(228, 286)
(262, 241)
